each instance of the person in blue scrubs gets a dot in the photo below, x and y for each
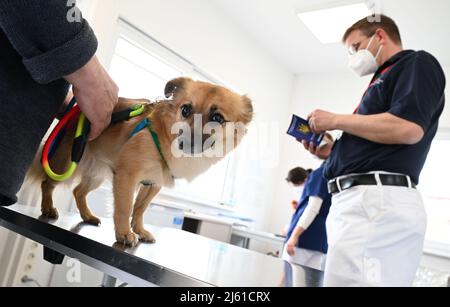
(296, 179)
(306, 242)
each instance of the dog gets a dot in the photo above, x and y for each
(138, 164)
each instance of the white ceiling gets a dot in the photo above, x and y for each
(273, 24)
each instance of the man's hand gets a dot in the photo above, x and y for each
(96, 94)
(383, 128)
(322, 152)
(322, 121)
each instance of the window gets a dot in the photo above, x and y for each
(139, 73)
(435, 190)
(142, 67)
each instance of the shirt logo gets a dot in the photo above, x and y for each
(379, 81)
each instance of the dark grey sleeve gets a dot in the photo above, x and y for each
(50, 39)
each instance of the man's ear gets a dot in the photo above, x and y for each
(175, 86)
(382, 35)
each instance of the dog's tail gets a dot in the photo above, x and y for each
(36, 174)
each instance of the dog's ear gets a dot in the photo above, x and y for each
(247, 114)
(175, 86)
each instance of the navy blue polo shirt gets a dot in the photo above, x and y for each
(411, 86)
(315, 237)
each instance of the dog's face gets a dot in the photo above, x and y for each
(209, 118)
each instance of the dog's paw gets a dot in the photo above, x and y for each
(51, 213)
(92, 220)
(145, 236)
(129, 239)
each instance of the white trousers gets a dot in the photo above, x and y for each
(375, 237)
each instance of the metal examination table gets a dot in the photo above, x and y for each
(177, 259)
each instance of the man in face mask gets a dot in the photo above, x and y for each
(377, 222)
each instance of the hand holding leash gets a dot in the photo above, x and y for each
(96, 93)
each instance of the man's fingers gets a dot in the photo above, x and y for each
(305, 144)
(97, 127)
(95, 132)
(312, 148)
(313, 126)
(315, 130)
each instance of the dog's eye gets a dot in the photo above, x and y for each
(218, 118)
(186, 110)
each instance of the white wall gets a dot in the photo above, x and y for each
(335, 92)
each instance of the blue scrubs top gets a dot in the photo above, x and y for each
(315, 237)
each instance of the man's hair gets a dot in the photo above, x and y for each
(369, 25)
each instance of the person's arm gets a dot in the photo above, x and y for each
(51, 46)
(383, 128)
(308, 216)
(54, 45)
(415, 104)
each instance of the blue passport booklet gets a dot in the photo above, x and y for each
(300, 129)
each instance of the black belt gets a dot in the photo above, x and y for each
(344, 183)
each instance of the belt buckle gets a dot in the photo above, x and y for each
(410, 183)
(338, 185)
(329, 185)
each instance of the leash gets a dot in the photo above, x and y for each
(74, 115)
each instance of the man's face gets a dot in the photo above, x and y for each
(358, 41)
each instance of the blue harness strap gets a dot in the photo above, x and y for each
(142, 125)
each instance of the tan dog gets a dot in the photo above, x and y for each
(136, 163)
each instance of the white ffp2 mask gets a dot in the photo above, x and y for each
(363, 62)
